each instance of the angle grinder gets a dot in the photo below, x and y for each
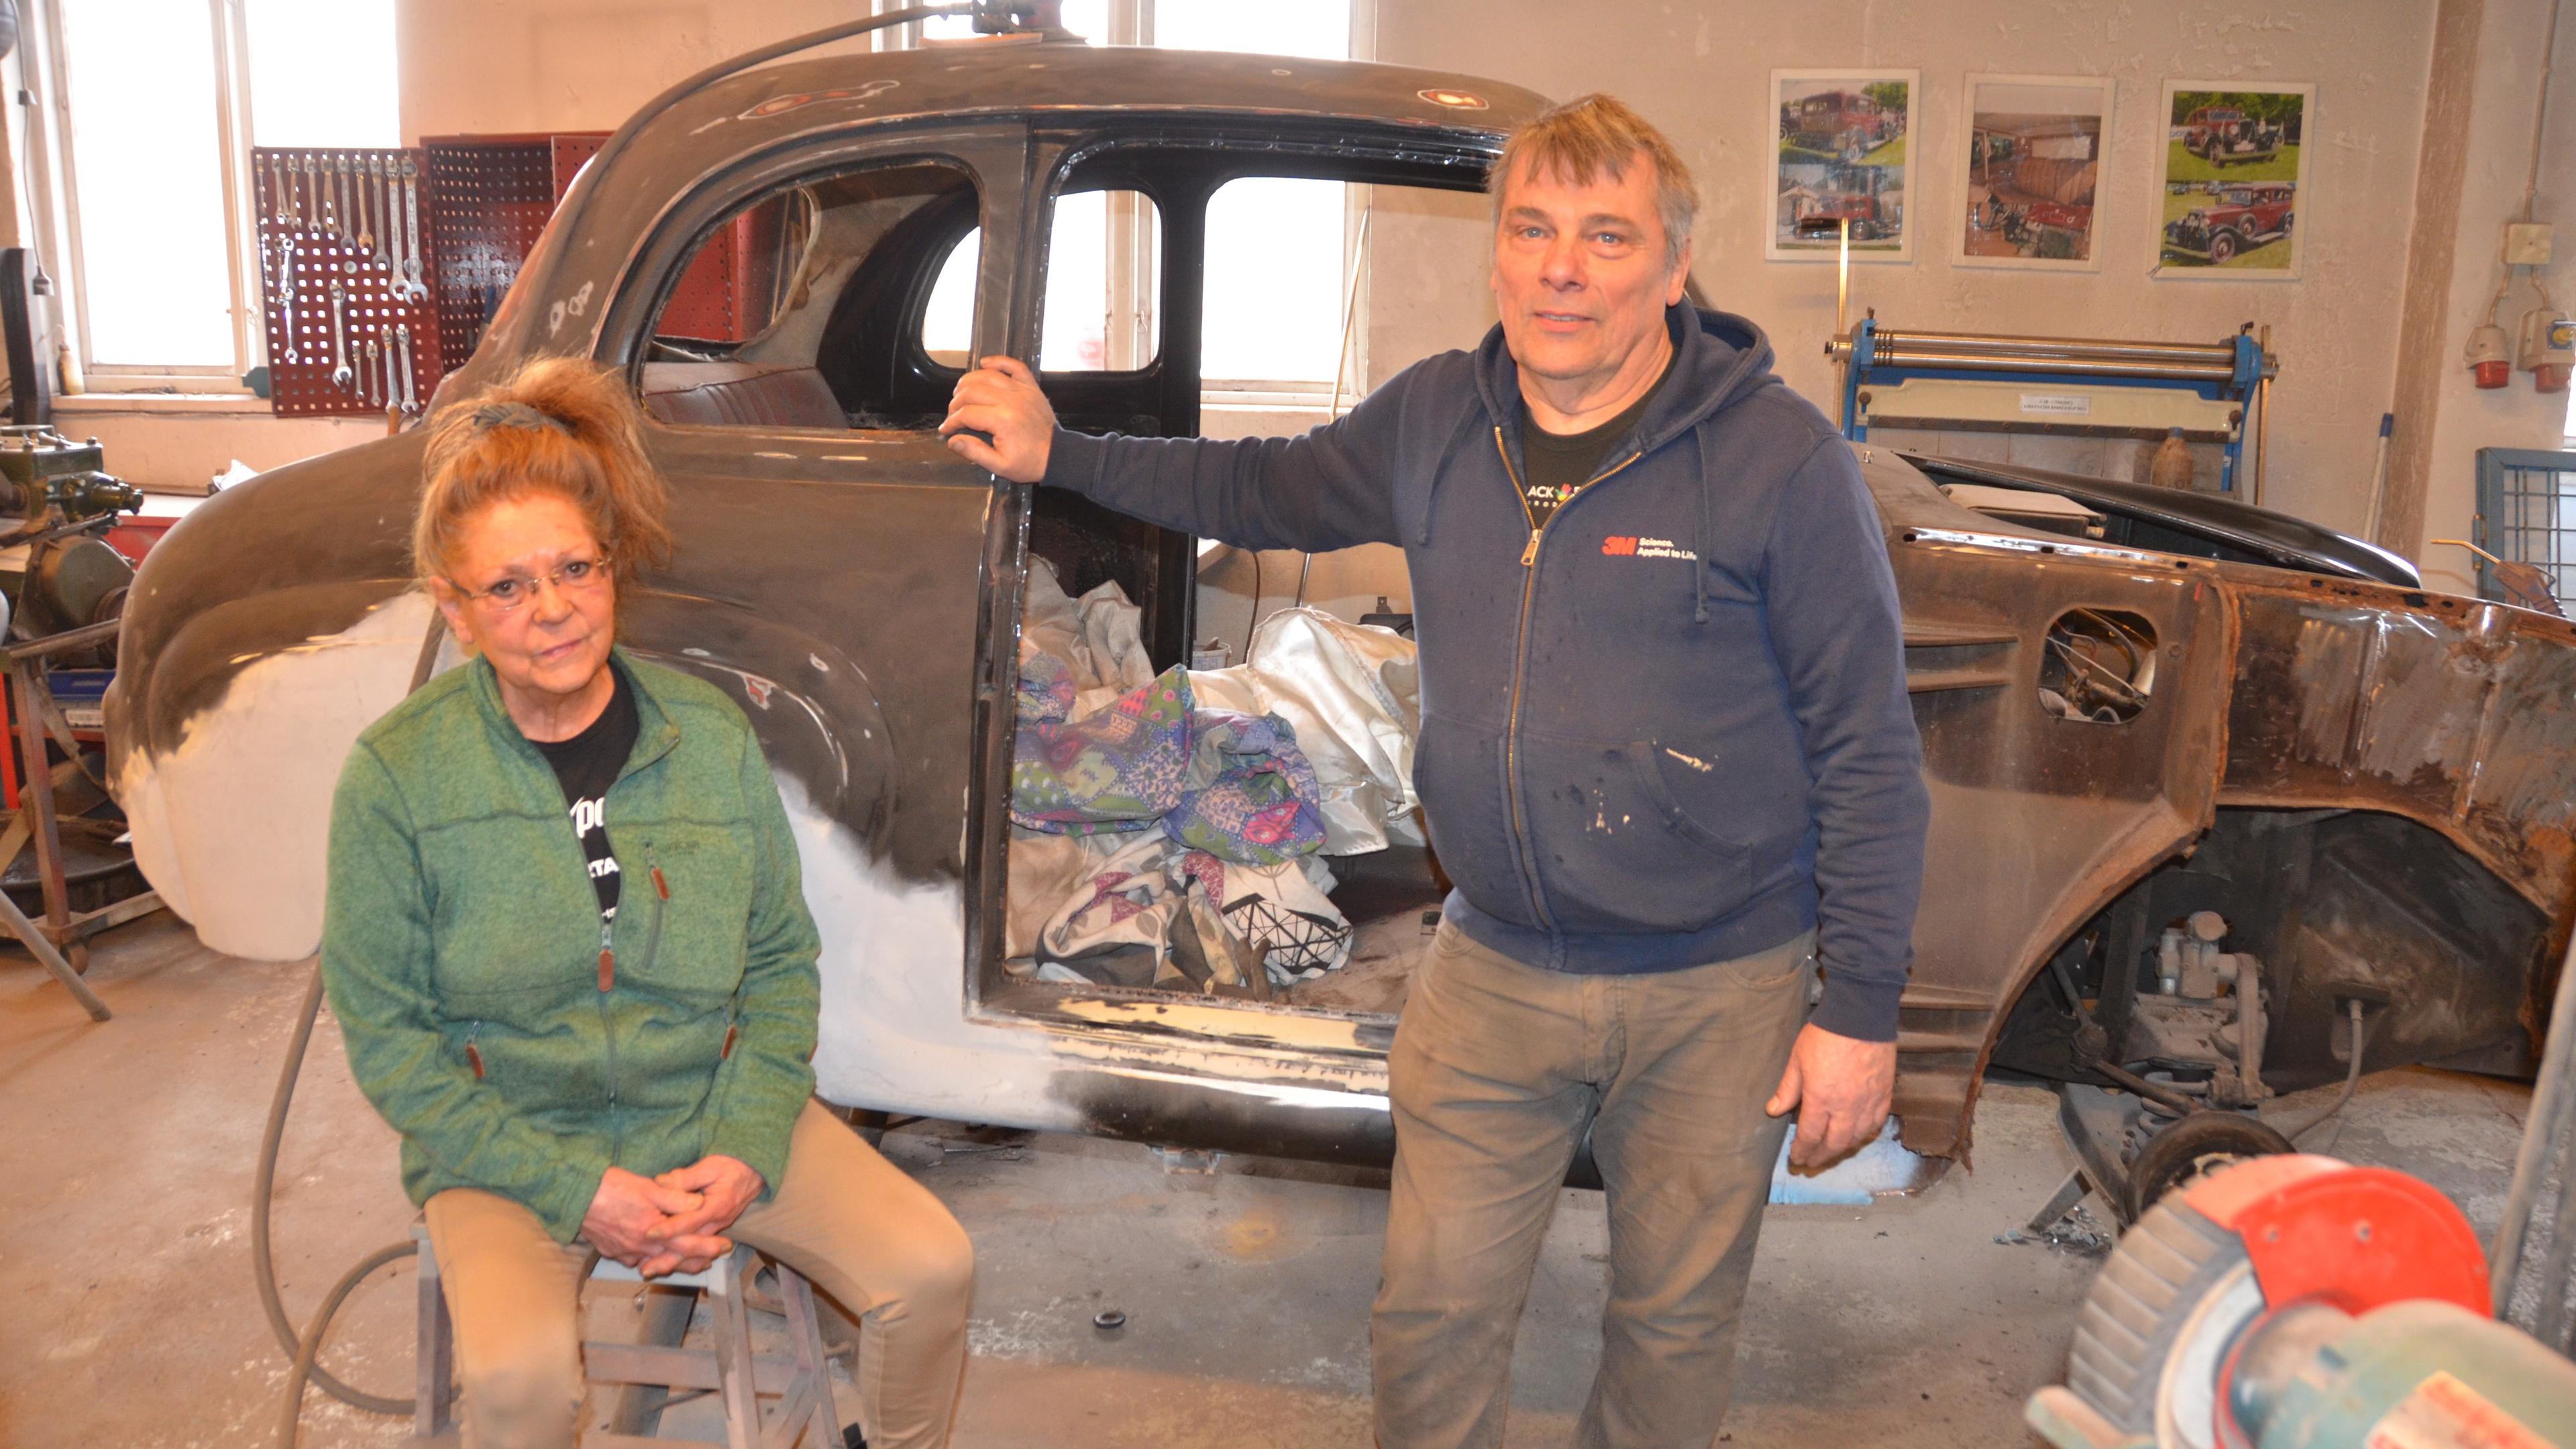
(2300, 1302)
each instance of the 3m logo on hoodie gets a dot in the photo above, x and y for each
(1622, 546)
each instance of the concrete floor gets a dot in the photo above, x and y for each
(126, 1258)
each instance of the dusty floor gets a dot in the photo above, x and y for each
(126, 1256)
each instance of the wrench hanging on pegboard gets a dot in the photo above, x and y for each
(380, 270)
(339, 261)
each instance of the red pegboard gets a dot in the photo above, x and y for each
(341, 219)
(481, 203)
(570, 153)
(490, 197)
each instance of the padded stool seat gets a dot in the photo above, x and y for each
(804, 1415)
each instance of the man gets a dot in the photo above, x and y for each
(1666, 758)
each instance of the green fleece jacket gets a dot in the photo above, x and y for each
(462, 950)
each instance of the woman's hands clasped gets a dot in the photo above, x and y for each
(673, 1223)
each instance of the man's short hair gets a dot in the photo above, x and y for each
(1594, 136)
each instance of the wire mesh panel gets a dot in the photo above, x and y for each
(2527, 514)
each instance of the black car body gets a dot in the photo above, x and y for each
(2372, 785)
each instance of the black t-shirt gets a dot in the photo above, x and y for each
(586, 765)
(1555, 466)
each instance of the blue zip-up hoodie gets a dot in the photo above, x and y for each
(1670, 727)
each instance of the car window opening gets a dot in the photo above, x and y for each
(803, 309)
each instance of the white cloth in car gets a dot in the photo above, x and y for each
(1047, 871)
(1099, 637)
(1353, 694)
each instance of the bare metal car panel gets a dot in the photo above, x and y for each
(2331, 764)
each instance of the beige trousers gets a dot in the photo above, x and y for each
(1498, 1069)
(887, 1252)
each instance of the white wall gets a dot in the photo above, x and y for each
(175, 445)
(496, 66)
(2498, 143)
(1702, 72)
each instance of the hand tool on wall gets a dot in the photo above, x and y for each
(412, 283)
(384, 213)
(340, 374)
(340, 197)
(366, 213)
(402, 343)
(366, 386)
(312, 194)
(353, 190)
(286, 292)
(281, 203)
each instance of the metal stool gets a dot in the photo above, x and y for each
(804, 1414)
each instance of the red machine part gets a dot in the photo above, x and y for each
(2355, 1237)
(2320, 1230)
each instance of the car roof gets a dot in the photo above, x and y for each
(1015, 76)
(700, 128)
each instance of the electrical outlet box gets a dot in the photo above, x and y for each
(2526, 244)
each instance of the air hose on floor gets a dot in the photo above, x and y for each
(304, 1347)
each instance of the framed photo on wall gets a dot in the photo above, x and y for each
(1841, 156)
(2233, 173)
(2031, 149)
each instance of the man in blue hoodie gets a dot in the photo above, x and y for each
(1666, 759)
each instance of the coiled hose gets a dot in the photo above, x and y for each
(306, 1346)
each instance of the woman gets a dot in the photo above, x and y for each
(567, 946)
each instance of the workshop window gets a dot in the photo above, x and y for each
(2526, 523)
(1281, 252)
(1099, 317)
(139, 164)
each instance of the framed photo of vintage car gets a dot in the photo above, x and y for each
(2031, 149)
(1841, 156)
(2232, 174)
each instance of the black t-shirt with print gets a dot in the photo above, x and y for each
(1555, 466)
(586, 765)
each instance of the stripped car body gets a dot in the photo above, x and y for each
(858, 588)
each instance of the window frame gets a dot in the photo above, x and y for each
(652, 271)
(2505, 525)
(1133, 274)
(53, 187)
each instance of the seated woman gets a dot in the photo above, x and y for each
(567, 945)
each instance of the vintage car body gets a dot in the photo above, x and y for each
(2223, 136)
(2372, 784)
(1836, 121)
(2237, 218)
(1868, 220)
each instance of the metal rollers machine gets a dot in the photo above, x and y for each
(2075, 387)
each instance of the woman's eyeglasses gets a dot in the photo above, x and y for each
(573, 576)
